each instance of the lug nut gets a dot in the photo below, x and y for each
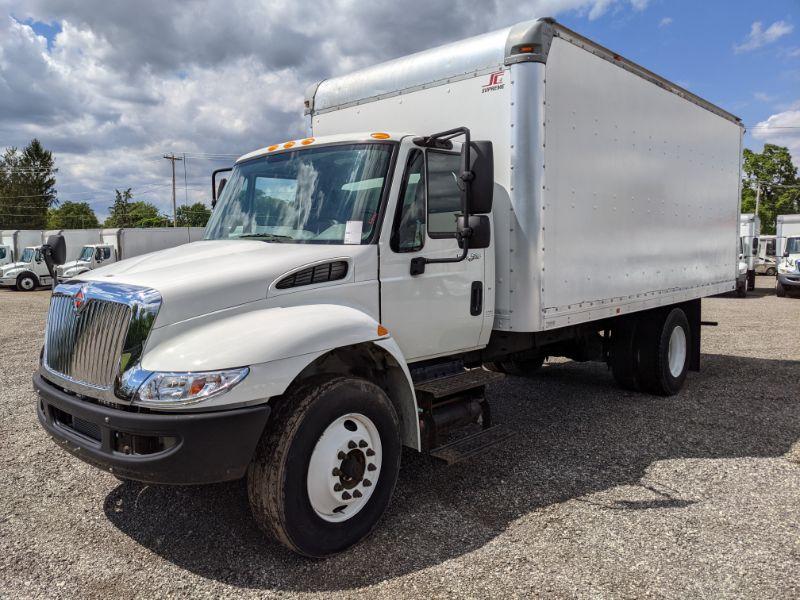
(370, 467)
(341, 455)
(356, 494)
(336, 472)
(351, 444)
(367, 483)
(337, 487)
(346, 496)
(362, 444)
(370, 452)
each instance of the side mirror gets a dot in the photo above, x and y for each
(214, 191)
(221, 187)
(482, 184)
(55, 249)
(481, 236)
(785, 255)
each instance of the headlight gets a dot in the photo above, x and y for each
(180, 389)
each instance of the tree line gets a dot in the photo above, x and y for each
(29, 200)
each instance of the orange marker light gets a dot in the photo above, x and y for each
(307, 141)
(273, 147)
(380, 136)
(288, 144)
(382, 330)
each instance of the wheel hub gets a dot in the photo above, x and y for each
(343, 468)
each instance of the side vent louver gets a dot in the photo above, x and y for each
(317, 274)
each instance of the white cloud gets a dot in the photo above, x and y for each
(763, 97)
(759, 36)
(665, 22)
(125, 82)
(783, 129)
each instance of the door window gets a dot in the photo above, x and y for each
(408, 233)
(444, 197)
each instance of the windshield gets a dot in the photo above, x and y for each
(27, 255)
(86, 253)
(2, 252)
(325, 195)
(793, 245)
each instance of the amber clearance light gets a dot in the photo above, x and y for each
(380, 136)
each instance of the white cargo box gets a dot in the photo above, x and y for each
(616, 190)
(786, 226)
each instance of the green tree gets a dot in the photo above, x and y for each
(72, 215)
(774, 171)
(127, 213)
(27, 186)
(195, 215)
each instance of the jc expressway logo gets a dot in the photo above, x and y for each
(495, 82)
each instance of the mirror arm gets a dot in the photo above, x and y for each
(214, 184)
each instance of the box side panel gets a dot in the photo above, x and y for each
(641, 193)
(483, 104)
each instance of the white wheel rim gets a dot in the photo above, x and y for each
(26, 283)
(344, 467)
(677, 351)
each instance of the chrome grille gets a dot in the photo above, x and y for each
(86, 346)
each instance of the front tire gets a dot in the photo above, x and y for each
(326, 466)
(751, 281)
(780, 291)
(771, 271)
(27, 282)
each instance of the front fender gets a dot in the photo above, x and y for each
(257, 336)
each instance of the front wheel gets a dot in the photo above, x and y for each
(780, 291)
(326, 466)
(27, 282)
(771, 272)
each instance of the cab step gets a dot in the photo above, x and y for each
(473, 444)
(457, 384)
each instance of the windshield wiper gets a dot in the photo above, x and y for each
(270, 237)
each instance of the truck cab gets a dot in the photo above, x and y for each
(28, 273)
(789, 266)
(6, 255)
(91, 256)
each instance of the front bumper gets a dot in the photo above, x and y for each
(152, 447)
(789, 280)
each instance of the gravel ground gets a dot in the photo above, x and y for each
(602, 493)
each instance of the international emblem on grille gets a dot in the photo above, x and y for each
(79, 300)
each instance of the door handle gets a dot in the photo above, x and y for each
(476, 299)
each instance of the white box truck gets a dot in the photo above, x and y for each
(119, 244)
(30, 271)
(14, 241)
(749, 229)
(457, 214)
(787, 237)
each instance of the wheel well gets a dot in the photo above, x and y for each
(370, 361)
(32, 274)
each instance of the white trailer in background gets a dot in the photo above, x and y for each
(118, 244)
(30, 271)
(14, 241)
(749, 230)
(787, 237)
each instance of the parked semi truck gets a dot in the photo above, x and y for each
(30, 270)
(787, 236)
(119, 244)
(750, 228)
(14, 241)
(456, 215)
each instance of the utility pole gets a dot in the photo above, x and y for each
(758, 196)
(172, 158)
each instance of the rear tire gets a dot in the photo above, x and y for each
(624, 355)
(780, 291)
(751, 281)
(741, 289)
(27, 282)
(326, 466)
(663, 349)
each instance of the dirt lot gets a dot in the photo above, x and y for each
(602, 493)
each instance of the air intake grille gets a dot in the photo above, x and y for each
(317, 274)
(86, 346)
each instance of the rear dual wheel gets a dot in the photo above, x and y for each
(651, 353)
(326, 466)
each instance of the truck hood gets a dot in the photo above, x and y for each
(13, 266)
(208, 276)
(73, 264)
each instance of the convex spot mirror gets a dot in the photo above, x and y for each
(57, 249)
(482, 185)
(481, 232)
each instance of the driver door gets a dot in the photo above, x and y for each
(440, 311)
